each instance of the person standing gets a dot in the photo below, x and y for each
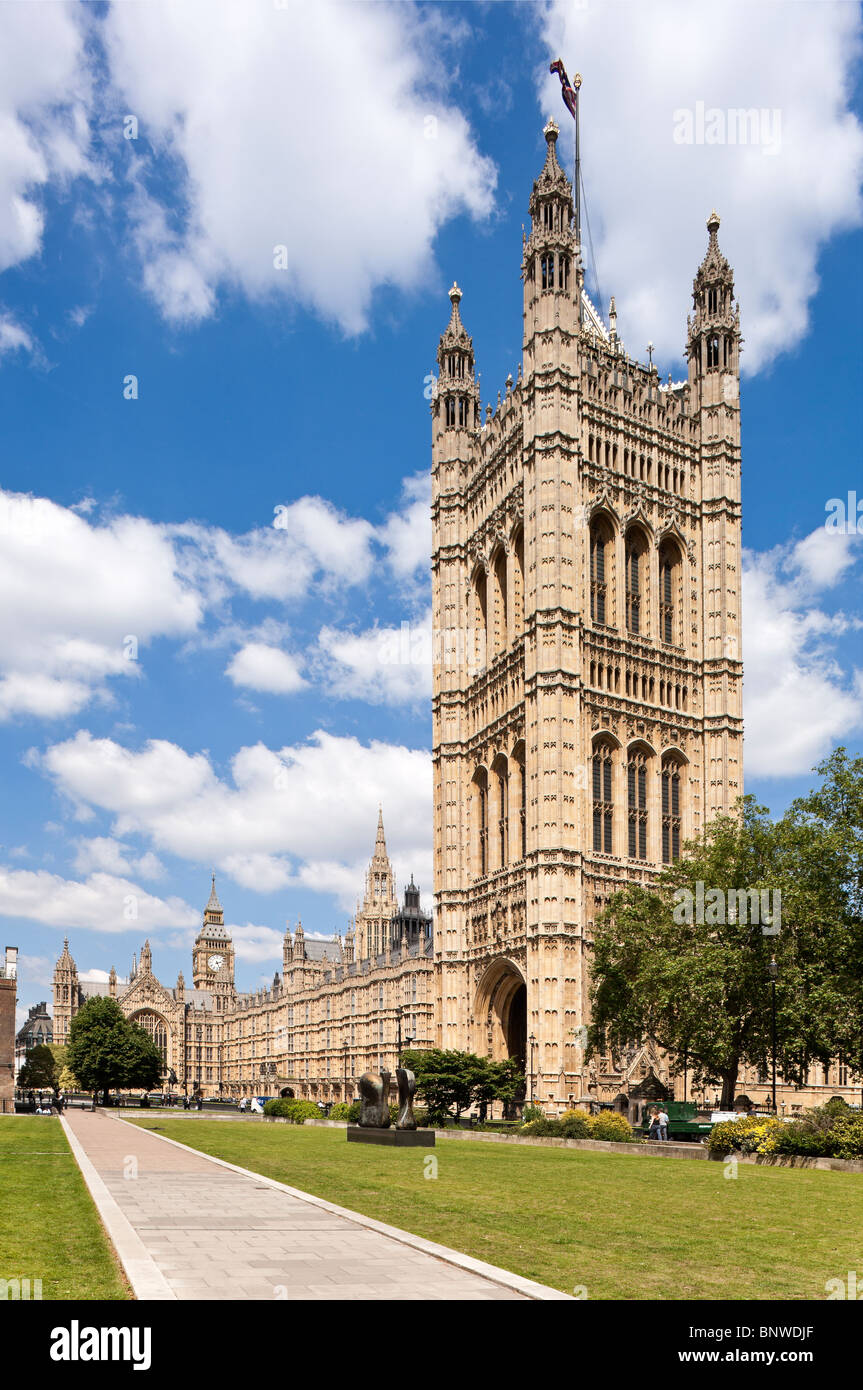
(663, 1123)
(653, 1132)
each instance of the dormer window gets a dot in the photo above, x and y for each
(711, 301)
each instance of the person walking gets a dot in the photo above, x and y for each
(653, 1132)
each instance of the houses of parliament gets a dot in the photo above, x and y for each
(587, 716)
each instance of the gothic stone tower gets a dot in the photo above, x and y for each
(586, 609)
(213, 954)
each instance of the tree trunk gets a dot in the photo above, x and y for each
(729, 1086)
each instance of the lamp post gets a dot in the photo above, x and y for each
(773, 971)
(345, 1052)
(399, 1025)
(532, 1041)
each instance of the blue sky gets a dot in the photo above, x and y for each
(185, 685)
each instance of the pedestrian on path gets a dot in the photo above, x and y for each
(653, 1132)
(663, 1124)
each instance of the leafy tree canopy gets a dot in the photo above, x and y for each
(451, 1081)
(692, 972)
(39, 1072)
(105, 1051)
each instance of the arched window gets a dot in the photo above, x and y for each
(518, 585)
(669, 560)
(450, 411)
(480, 618)
(600, 571)
(481, 792)
(547, 268)
(603, 799)
(636, 800)
(502, 813)
(713, 351)
(636, 564)
(500, 603)
(153, 1025)
(671, 815)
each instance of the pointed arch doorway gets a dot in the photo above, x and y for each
(500, 1009)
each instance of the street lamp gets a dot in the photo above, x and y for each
(773, 971)
(345, 1051)
(532, 1041)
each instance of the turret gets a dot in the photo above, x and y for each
(456, 401)
(713, 339)
(552, 279)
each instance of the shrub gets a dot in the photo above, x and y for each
(345, 1111)
(610, 1126)
(837, 1108)
(294, 1110)
(749, 1134)
(542, 1128)
(531, 1113)
(575, 1124)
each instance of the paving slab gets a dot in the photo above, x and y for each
(188, 1226)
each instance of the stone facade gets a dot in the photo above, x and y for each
(37, 1031)
(586, 616)
(337, 1009)
(8, 1000)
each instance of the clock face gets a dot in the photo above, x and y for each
(215, 962)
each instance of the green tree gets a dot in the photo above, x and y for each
(39, 1072)
(66, 1079)
(105, 1051)
(503, 1081)
(451, 1081)
(700, 988)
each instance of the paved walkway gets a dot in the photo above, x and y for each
(191, 1227)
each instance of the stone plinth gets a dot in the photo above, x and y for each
(394, 1138)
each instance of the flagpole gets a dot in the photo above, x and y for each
(577, 84)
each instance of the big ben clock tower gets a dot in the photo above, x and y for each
(213, 954)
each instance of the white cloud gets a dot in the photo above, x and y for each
(14, 337)
(103, 853)
(407, 532)
(268, 669)
(79, 600)
(320, 129)
(101, 902)
(797, 700)
(383, 665)
(256, 944)
(312, 806)
(82, 598)
(44, 99)
(649, 197)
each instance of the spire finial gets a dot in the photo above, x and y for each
(455, 294)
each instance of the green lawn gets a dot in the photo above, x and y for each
(49, 1228)
(624, 1228)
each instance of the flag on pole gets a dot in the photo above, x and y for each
(568, 92)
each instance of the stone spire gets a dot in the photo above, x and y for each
(457, 392)
(213, 904)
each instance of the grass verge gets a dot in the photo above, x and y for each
(49, 1227)
(619, 1227)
